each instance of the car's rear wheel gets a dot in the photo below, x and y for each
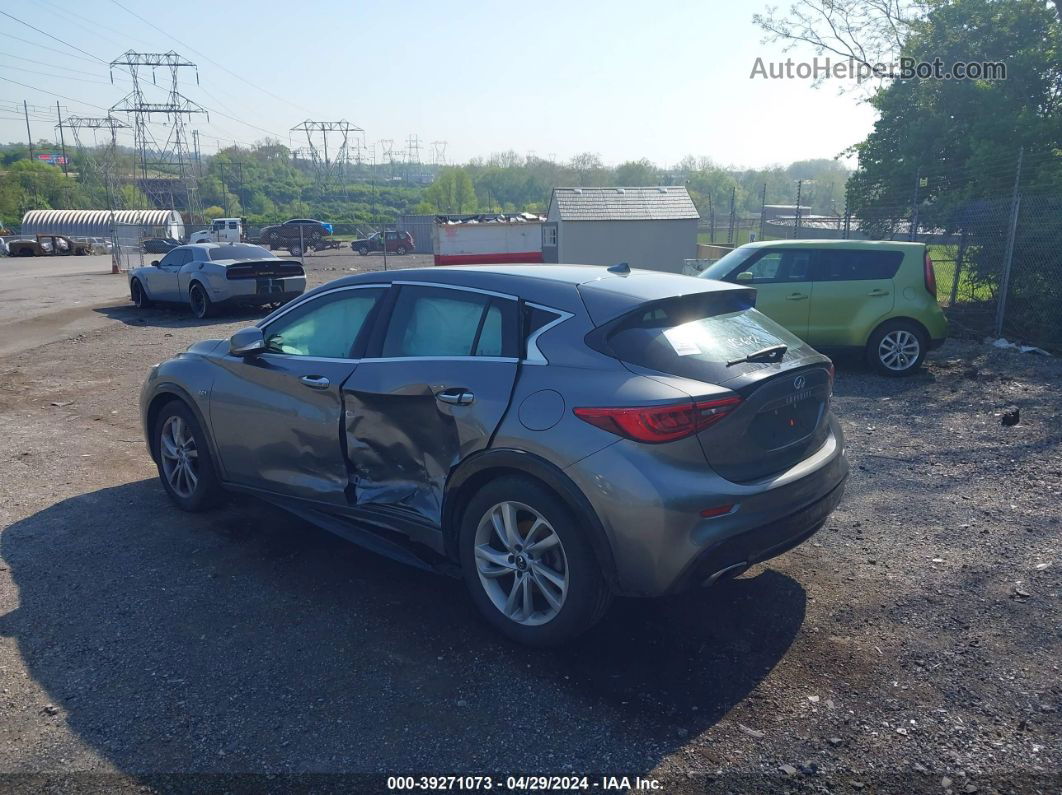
(530, 570)
(295, 249)
(199, 301)
(183, 459)
(362, 251)
(897, 348)
(136, 291)
(400, 250)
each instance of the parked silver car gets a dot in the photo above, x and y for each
(208, 275)
(556, 434)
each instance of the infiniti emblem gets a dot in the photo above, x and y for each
(798, 382)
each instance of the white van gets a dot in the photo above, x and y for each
(223, 230)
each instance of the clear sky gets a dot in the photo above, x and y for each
(622, 78)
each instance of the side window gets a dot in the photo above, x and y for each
(765, 269)
(175, 259)
(326, 327)
(219, 225)
(844, 265)
(434, 321)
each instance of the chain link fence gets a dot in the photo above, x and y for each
(998, 259)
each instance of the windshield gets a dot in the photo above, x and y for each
(240, 251)
(726, 264)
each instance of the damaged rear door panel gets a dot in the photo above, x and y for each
(434, 392)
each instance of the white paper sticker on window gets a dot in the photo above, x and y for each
(683, 339)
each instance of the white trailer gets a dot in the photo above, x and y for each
(488, 239)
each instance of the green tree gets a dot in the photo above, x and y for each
(452, 192)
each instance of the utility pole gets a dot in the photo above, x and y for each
(763, 211)
(62, 138)
(730, 228)
(29, 135)
(800, 184)
(1008, 255)
(912, 232)
(711, 221)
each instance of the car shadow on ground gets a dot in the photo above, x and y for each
(245, 640)
(177, 316)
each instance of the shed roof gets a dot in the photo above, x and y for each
(624, 204)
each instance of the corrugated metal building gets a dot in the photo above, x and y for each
(131, 226)
(645, 227)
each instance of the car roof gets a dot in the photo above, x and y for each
(894, 245)
(570, 287)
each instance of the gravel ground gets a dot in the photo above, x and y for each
(912, 645)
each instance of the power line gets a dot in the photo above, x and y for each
(207, 57)
(50, 36)
(50, 49)
(52, 93)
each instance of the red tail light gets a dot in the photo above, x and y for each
(931, 275)
(655, 424)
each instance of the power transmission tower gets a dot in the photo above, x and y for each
(101, 165)
(412, 157)
(169, 165)
(438, 153)
(327, 160)
(387, 153)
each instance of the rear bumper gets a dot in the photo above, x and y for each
(258, 292)
(732, 556)
(650, 508)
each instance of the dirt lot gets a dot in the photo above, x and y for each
(913, 645)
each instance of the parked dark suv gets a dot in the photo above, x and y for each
(396, 242)
(555, 434)
(296, 235)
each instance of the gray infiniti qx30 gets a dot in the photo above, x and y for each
(553, 434)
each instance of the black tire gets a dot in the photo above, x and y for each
(295, 249)
(136, 292)
(207, 492)
(897, 348)
(588, 595)
(199, 301)
(362, 251)
(400, 250)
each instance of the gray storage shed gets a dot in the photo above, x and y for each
(645, 227)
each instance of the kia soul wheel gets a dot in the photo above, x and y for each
(897, 348)
(530, 571)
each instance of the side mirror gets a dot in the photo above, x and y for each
(745, 276)
(154, 263)
(247, 342)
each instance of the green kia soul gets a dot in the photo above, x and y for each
(877, 297)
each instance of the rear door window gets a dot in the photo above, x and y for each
(846, 265)
(436, 321)
(696, 336)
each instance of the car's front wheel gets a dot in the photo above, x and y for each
(136, 291)
(897, 348)
(199, 301)
(183, 459)
(401, 250)
(295, 249)
(530, 569)
(362, 251)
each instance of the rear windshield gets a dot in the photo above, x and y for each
(240, 251)
(695, 336)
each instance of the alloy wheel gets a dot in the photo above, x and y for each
(899, 350)
(180, 456)
(521, 563)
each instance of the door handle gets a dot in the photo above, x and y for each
(315, 381)
(796, 297)
(878, 293)
(455, 397)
